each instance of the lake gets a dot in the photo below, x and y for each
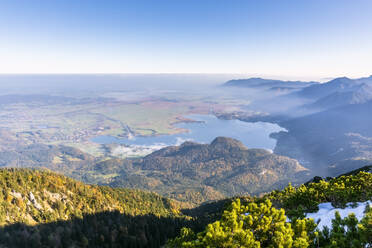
(208, 127)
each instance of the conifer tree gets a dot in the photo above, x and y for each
(252, 226)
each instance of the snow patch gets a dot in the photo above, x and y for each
(327, 212)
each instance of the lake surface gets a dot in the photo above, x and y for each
(253, 135)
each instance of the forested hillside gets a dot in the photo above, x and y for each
(41, 208)
(44, 209)
(196, 173)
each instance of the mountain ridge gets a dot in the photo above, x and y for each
(257, 82)
(225, 167)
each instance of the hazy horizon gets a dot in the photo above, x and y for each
(227, 76)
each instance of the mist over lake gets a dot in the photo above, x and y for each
(204, 130)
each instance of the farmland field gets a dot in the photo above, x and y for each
(75, 121)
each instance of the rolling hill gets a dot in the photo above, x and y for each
(195, 172)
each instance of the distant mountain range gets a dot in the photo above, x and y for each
(333, 137)
(342, 84)
(337, 92)
(360, 93)
(331, 133)
(268, 83)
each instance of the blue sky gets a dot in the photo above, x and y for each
(318, 38)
